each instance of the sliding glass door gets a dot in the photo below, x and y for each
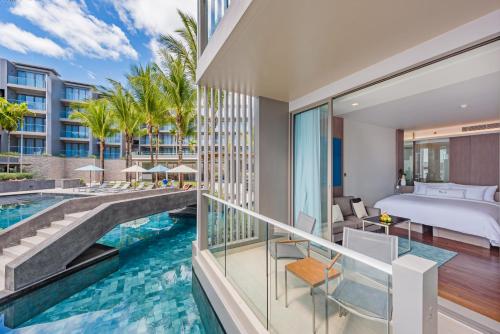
(310, 167)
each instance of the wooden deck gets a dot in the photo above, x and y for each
(470, 279)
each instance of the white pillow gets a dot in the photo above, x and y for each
(489, 194)
(449, 193)
(359, 209)
(337, 214)
(472, 192)
(420, 187)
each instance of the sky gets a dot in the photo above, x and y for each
(87, 40)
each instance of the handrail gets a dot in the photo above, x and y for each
(377, 264)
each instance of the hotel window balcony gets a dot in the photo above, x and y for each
(27, 79)
(77, 94)
(32, 105)
(76, 153)
(29, 150)
(32, 127)
(112, 155)
(116, 139)
(75, 134)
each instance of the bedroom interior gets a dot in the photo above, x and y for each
(437, 128)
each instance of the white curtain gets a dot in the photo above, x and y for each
(307, 165)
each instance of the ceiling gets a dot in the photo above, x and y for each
(284, 49)
(463, 89)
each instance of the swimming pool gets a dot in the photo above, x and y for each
(18, 207)
(149, 293)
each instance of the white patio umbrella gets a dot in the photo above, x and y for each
(182, 169)
(90, 169)
(135, 169)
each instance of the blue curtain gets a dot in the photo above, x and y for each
(308, 165)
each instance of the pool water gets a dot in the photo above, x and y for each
(149, 293)
(18, 207)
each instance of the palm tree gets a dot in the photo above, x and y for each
(147, 98)
(128, 118)
(96, 115)
(180, 95)
(20, 110)
(184, 46)
(11, 115)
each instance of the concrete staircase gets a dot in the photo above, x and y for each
(25, 244)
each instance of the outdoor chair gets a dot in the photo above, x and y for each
(123, 187)
(149, 186)
(115, 186)
(140, 186)
(364, 290)
(288, 249)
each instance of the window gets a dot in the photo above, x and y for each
(77, 94)
(31, 79)
(408, 162)
(432, 160)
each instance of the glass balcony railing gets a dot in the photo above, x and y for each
(116, 139)
(74, 134)
(76, 153)
(39, 106)
(28, 150)
(296, 282)
(32, 127)
(24, 81)
(112, 155)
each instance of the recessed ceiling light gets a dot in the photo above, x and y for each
(355, 104)
(463, 106)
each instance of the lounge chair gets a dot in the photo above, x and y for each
(149, 186)
(115, 186)
(140, 186)
(363, 290)
(102, 187)
(287, 249)
(187, 186)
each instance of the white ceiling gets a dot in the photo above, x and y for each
(432, 96)
(284, 49)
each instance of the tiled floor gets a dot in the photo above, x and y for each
(150, 293)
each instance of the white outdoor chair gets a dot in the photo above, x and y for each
(364, 290)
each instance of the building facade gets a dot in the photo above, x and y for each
(50, 131)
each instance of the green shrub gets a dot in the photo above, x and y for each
(15, 176)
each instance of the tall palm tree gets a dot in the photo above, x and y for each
(147, 98)
(180, 95)
(96, 115)
(128, 118)
(11, 115)
(185, 44)
(20, 110)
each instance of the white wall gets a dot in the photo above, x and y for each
(369, 161)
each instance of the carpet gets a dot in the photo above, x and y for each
(436, 254)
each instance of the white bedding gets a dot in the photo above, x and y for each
(472, 217)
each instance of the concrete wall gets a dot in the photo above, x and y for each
(64, 168)
(26, 185)
(271, 158)
(369, 161)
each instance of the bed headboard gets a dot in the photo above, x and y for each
(409, 189)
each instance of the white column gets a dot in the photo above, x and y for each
(212, 141)
(220, 96)
(205, 139)
(415, 287)
(226, 144)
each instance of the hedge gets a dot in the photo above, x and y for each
(15, 176)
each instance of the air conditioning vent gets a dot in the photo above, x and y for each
(481, 127)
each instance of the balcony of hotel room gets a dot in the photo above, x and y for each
(30, 146)
(73, 132)
(32, 127)
(74, 94)
(27, 82)
(36, 103)
(76, 150)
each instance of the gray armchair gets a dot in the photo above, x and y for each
(287, 249)
(350, 219)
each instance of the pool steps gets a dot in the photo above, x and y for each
(11, 253)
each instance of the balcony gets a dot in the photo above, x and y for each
(28, 150)
(33, 106)
(32, 127)
(235, 252)
(27, 82)
(112, 155)
(74, 134)
(163, 156)
(75, 153)
(114, 140)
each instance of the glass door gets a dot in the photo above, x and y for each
(310, 167)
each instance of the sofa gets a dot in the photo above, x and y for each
(350, 219)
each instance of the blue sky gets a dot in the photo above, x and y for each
(87, 41)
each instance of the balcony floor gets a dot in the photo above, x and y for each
(246, 270)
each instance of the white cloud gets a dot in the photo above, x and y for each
(154, 46)
(153, 16)
(83, 32)
(23, 41)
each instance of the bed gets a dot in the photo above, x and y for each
(466, 220)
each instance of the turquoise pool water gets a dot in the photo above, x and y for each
(18, 207)
(149, 293)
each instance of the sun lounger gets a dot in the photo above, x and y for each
(115, 186)
(124, 187)
(140, 186)
(149, 186)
